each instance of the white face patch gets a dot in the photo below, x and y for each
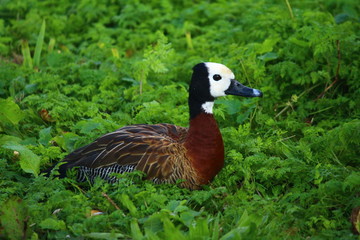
(208, 107)
(218, 87)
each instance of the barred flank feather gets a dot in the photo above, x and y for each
(86, 173)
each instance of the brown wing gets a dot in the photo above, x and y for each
(151, 148)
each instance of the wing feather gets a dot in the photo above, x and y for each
(153, 149)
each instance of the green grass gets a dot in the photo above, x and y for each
(70, 72)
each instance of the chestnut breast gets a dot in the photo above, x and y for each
(205, 147)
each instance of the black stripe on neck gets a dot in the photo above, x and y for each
(199, 91)
(195, 108)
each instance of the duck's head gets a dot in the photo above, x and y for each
(211, 80)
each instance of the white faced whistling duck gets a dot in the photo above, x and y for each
(165, 152)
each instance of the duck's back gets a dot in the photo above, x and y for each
(158, 150)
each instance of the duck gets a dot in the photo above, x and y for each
(166, 153)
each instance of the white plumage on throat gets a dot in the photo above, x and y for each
(208, 107)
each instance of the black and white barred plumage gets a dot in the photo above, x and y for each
(106, 173)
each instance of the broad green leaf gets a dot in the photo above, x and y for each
(233, 106)
(45, 136)
(188, 217)
(149, 234)
(87, 126)
(244, 220)
(153, 223)
(30, 88)
(14, 219)
(199, 229)
(171, 231)
(29, 161)
(67, 141)
(10, 112)
(268, 45)
(7, 138)
(135, 230)
(173, 204)
(342, 17)
(268, 56)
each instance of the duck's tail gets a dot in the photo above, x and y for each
(60, 167)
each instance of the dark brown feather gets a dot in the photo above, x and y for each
(153, 149)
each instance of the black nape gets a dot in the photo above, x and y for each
(199, 90)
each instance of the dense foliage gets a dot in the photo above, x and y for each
(73, 70)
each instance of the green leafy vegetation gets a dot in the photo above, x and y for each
(72, 71)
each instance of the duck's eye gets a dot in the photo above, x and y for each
(216, 77)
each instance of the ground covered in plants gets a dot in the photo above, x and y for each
(71, 71)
